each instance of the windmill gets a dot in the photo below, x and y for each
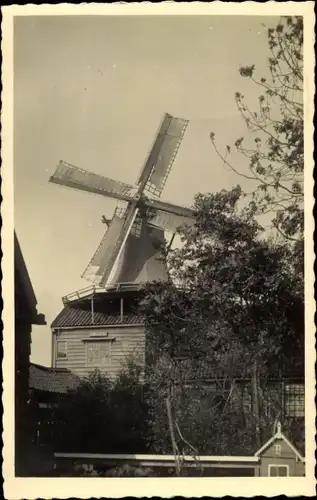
(130, 250)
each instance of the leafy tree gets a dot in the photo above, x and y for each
(230, 277)
(202, 411)
(104, 416)
(86, 415)
(231, 291)
(129, 409)
(276, 160)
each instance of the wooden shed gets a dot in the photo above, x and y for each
(279, 457)
(26, 315)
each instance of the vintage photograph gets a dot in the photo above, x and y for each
(159, 282)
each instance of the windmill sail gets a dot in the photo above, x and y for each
(99, 262)
(168, 221)
(162, 155)
(131, 247)
(170, 208)
(77, 178)
(110, 248)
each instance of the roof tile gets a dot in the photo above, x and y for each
(59, 381)
(74, 316)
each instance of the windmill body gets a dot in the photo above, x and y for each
(130, 251)
(141, 259)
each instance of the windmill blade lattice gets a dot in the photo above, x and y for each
(166, 157)
(170, 208)
(99, 264)
(121, 211)
(110, 248)
(162, 156)
(78, 178)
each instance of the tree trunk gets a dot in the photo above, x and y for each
(256, 406)
(170, 422)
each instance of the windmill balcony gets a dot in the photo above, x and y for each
(93, 290)
(99, 306)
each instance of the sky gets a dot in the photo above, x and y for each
(92, 90)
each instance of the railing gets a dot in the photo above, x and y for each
(79, 294)
(93, 290)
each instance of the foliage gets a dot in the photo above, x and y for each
(233, 293)
(104, 416)
(294, 429)
(230, 277)
(124, 470)
(206, 420)
(127, 470)
(276, 161)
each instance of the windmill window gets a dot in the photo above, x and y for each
(294, 400)
(98, 353)
(61, 349)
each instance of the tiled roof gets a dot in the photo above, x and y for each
(56, 380)
(76, 316)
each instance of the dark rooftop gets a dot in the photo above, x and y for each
(100, 310)
(55, 380)
(75, 317)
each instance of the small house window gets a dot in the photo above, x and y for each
(295, 400)
(278, 470)
(98, 353)
(61, 349)
(277, 449)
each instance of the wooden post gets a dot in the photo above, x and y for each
(170, 422)
(53, 348)
(256, 406)
(92, 310)
(121, 309)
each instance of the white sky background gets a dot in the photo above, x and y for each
(92, 91)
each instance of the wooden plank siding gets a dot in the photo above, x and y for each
(125, 341)
(285, 450)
